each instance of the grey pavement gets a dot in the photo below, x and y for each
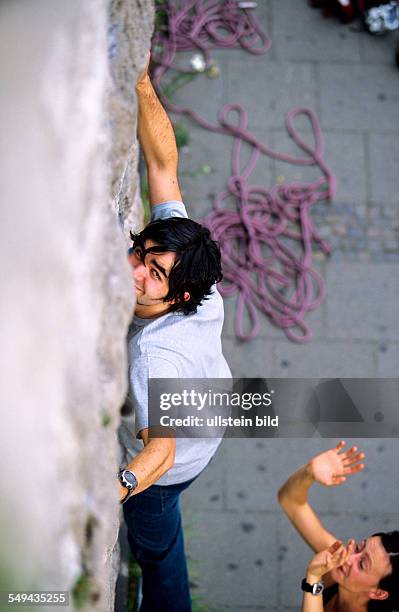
(243, 553)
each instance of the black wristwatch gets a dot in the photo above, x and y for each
(316, 589)
(129, 481)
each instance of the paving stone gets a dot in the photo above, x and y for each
(231, 552)
(377, 49)
(283, 143)
(268, 331)
(264, 13)
(191, 95)
(208, 492)
(351, 257)
(344, 154)
(323, 359)
(391, 212)
(384, 163)
(203, 149)
(388, 359)
(362, 302)
(215, 150)
(350, 100)
(248, 359)
(336, 256)
(341, 149)
(270, 89)
(253, 484)
(300, 33)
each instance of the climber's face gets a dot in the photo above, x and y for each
(151, 279)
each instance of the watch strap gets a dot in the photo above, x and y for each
(128, 486)
(128, 494)
(305, 586)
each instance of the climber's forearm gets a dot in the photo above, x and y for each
(156, 458)
(155, 130)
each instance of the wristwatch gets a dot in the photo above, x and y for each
(129, 481)
(316, 589)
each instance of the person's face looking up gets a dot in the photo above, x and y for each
(150, 273)
(364, 569)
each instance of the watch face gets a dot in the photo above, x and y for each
(318, 588)
(130, 480)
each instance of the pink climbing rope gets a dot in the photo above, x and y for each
(260, 236)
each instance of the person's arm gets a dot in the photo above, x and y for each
(158, 143)
(329, 468)
(293, 498)
(321, 564)
(156, 458)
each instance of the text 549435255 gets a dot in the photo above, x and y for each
(34, 598)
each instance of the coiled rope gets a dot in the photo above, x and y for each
(259, 238)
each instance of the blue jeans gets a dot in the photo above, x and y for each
(155, 536)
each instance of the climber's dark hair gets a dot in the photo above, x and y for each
(198, 262)
(390, 583)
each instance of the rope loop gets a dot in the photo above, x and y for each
(266, 237)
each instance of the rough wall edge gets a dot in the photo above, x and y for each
(130, 27)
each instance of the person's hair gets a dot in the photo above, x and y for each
(198, 261)
(390, 583)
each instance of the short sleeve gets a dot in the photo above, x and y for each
(144, 368)
(165, 210)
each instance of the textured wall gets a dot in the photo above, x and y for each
(66, 287)
(130, 26)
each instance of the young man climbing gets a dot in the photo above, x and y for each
(175, 333)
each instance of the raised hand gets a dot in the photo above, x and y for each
(326, 560)
(332, 467)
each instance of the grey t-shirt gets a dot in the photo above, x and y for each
(174, 346)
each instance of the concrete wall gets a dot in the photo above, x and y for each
(67, 109)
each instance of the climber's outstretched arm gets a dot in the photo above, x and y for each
(158, 142)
